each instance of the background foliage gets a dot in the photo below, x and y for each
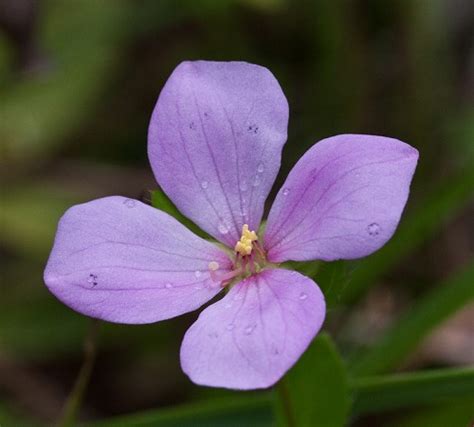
(78, 82)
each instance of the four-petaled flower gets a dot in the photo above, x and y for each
(215, 142)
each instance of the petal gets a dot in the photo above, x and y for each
(215, 142)
(120, 260)
(252, 336)
(342, 200)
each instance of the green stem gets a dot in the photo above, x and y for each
(74, 399)
(287, 416)
(380, 393)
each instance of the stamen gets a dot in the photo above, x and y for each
(244, 245)
(252, 264)
(221, 278)
(259, 250)
(213, 266)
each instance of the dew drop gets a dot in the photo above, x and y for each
(249, 329)
(230, 327)
(303, 296)
(256, 181)
(204, 185)
(90, 279)
(129, 203)
(238, 297)
(243, 186)
(260, 167)
(228, 305)
(198, 287)
(274, 350)
(213, 335)
(197, 274)
(373, 229)
(223, 229)
(286, 191)
(168, 285)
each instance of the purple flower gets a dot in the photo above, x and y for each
(215, 142)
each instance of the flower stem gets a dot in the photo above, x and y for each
(74, 399)
(286, 412)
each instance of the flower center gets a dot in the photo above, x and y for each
(249, 259)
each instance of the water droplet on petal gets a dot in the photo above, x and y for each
(373, 229)
(228, 305)
(256, 181)
(129, 203)
(197, 287)
(204, 185)
(238, 297)
(197, 274)
(168, 285)
(274, 350)
(243, 186)
(213, 335)
(230, 327)
(286, 191)
(303, 296)
(249, 329)
(223, 229)
(260, 167)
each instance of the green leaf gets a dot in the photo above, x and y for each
(161, 201)
(334, 278)
(315, 392)
(441, 204)
(376, 394)
(243, 410)
(373, 394)
(403, 338)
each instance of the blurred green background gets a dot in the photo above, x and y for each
(78, 82)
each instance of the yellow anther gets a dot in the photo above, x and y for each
(244, 245)
(249, 235)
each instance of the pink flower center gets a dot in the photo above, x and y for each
(249, 259)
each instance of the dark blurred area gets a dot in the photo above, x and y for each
(78, 83)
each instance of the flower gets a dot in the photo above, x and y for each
(214, 143)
